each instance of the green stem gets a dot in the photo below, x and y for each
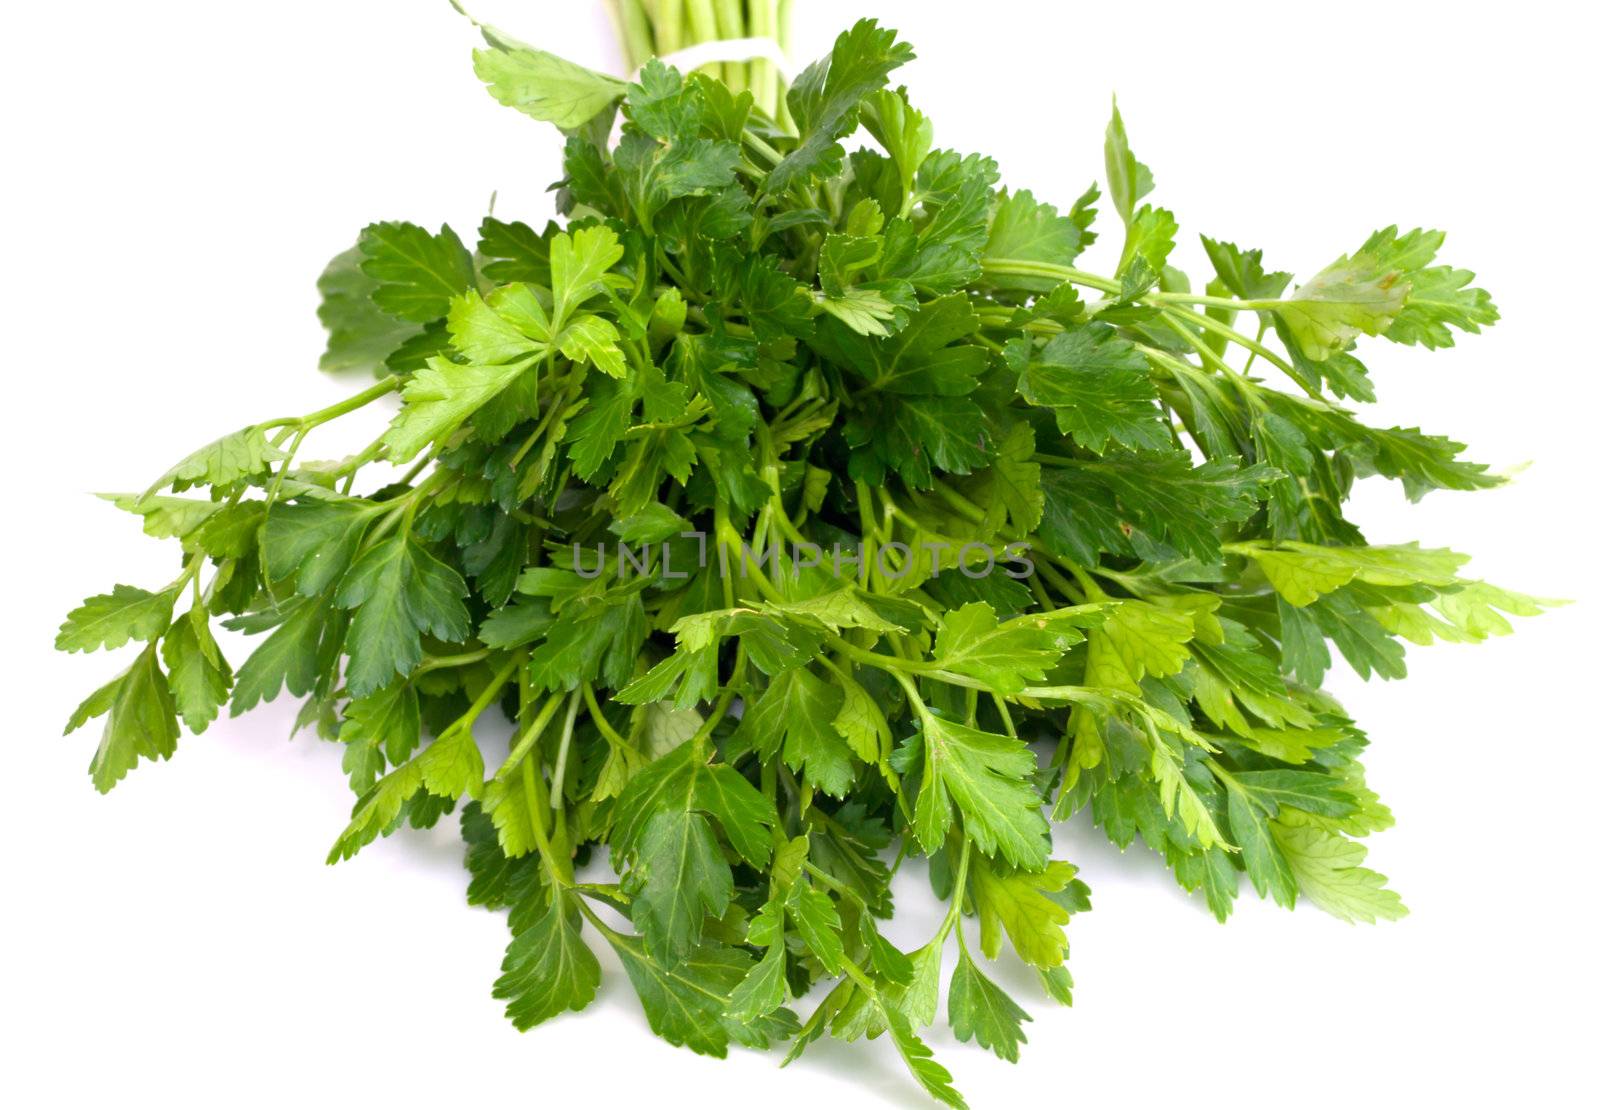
(441, 662)
(633, 25)
(834, 885)
(350, 404)
(530, 736)
(703, 28)
(762, 147)
(764, 80)
(1170, 303)
(724, 703)
(1233, 303)
(958, 892)
(730, 25)
(605, 930)
(611, 735)
(490, 692)
(558, 776)
(1210, 324)
(669, 26)
(1014, 267)
(785, 119)
(557, 866)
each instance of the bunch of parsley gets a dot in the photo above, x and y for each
(805, 510)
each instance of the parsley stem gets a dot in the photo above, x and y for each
(1171, 304)
(764, 586)
(283, 469)
(440, 662)
(411, 475)
(617, 940)
(1091, 590)
(1042, 595)
(1216, 326)
(633, 25)
(834, 885)
(853, 970)
(958, 890)
(557, 405)
(1261, 331)
(762, 147)
(959, 503)
(611, 735)
(764, 80)
(730, 25)
(703, 28)
(1209, 358)
(557, 866)
(875, 659)
(1088, 694)
(1050, 272)
(724, 702)
(669, 26)
(348, 405)
(530, 735)
(921, 707)
(558, 776)
(1005, 714)
(486, 698)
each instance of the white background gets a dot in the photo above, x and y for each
(176, 174)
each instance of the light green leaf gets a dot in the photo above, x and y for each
(1021, 905)
(816, 920)
(980, 1009)
(485, 334)
(111, 620)
(377, 810)
(243, 454)
(141, 720)
(417, 272)
(452, 766)
(1303, 572)
(548, 969)
(398, 592)
(762, 990)
(1007, 656)
(685, 1004)
(594, 340)
(439, 398)
(315, 540)
(1127, 178)
(543, 86)
(1328, 869)
(1265, 864)
(861, 722)
(199, 676)
(1022, 229)
(1360, 294)
(825, 100)
(165, 517)
(989, 777)
(1138, 638)
(578, 262)
(928, 1072)
(1009, 488)
(361, 336)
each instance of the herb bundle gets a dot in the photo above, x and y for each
(804, 510)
